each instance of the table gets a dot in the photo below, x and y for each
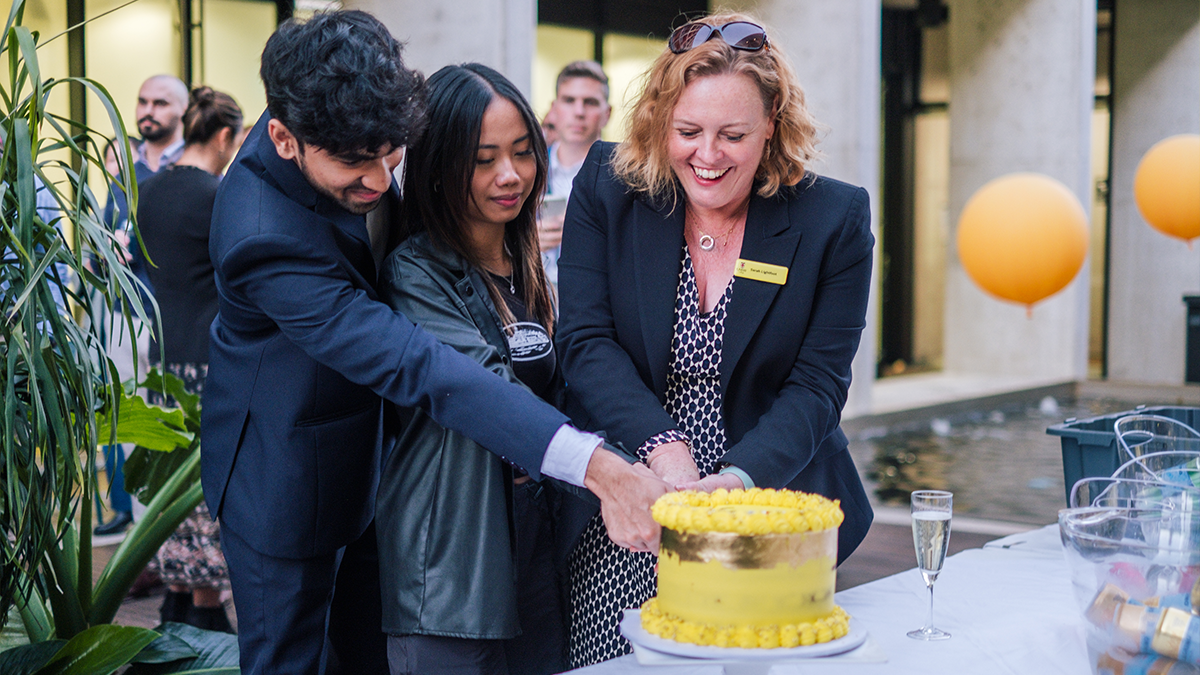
(1008, 605)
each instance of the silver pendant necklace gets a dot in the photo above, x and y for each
(707, 242)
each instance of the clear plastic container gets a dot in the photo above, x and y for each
(1123, 563)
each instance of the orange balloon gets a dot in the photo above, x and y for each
(1167, 186)
(1023, 237)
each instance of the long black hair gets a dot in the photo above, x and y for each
(440, 166)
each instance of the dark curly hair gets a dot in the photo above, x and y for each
(337, 81)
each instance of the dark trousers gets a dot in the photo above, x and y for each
(309, 616)
(114, 462)
(437, 655)
(541, 647)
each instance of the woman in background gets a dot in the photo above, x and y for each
(465, 539)
(174, 211)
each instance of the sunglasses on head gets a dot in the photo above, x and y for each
(738, 34)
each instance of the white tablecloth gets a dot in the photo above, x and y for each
(1009, 607)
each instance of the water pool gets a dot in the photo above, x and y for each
(999, 462)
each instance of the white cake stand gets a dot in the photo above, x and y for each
(736, 660)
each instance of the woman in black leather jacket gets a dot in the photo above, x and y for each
(465, 538)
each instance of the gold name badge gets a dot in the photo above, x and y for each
(758, 271)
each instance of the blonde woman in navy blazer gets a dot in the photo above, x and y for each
(708, 212)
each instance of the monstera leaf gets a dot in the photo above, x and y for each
(211, 653)
(97, 650)
(166, 439)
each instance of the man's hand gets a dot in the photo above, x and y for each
(626, 492)
(550, 231)
(673, 463)
(715, 481)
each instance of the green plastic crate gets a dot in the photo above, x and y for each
(1089, 447)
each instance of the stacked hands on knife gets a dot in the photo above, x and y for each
(627, 493)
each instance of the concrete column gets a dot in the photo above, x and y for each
(1022, 77)
(497, 33)
(834, 47)
(1155, 95)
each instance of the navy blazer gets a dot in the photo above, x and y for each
(787, 350)
(302, 351)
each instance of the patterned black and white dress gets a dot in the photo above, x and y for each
(606, 579)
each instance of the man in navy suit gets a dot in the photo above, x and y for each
(303, 357)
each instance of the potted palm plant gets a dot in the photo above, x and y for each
(60, 267)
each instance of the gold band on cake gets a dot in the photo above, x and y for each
(746, 568)
(740, 579)
(739, 551)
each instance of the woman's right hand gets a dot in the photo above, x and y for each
(673, 463)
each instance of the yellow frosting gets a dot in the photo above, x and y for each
(757, 636)
(753, 511)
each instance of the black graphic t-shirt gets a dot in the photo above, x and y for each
(529, 344)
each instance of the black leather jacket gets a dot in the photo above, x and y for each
(443, 510)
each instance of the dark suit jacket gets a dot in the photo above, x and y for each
(301, 352)
(785, 359)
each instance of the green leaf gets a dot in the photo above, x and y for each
(165, 649)
(178, 498)
(217, 653)
(26, 659)
(146, 471)
(14, 14)
(146, 425)
(54, 373)
(98, 650)
(29, 52)
(13, 634)
(170, 385)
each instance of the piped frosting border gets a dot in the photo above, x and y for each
(825, 629)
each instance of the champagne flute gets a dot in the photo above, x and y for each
(931, 511)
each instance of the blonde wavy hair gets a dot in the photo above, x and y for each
(642, 160)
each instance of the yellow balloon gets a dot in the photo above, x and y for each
(1023, 237)
(1167, 186)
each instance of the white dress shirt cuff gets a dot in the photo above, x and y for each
(569, 453)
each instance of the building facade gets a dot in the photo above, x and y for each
(924, 102)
